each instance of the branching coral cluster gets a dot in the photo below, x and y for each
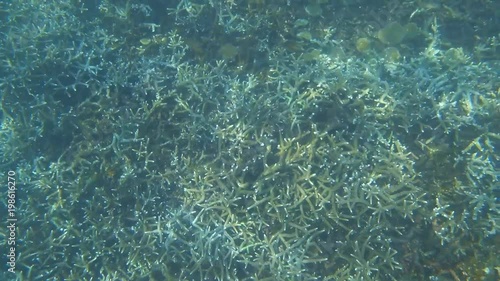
(147, 152)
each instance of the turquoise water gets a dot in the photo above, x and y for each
(250, 140)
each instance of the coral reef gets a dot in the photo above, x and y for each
(252, 139)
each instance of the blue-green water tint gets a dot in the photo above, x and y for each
(251, 140)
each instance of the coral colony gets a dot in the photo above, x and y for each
(252, 139)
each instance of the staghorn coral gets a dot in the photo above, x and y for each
(149, 158)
